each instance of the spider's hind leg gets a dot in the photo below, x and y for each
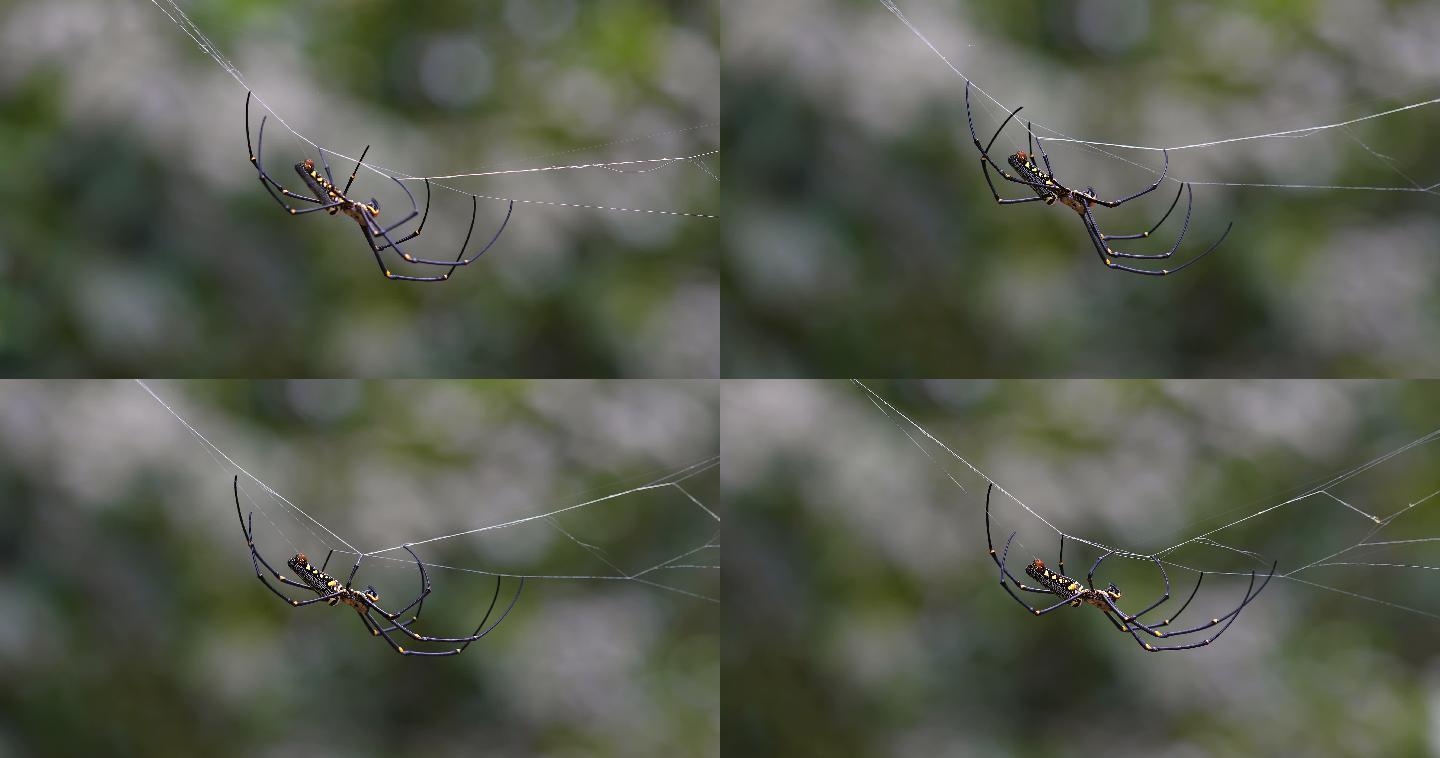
(1142, 235)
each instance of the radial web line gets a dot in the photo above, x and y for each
(1376, 523)
(1098, 145)
(672, 480)
(203, 42)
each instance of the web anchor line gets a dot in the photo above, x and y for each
(208, 47)
(1323, 490)
(671, 480)
(1098, 145)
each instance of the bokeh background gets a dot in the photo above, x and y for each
(861, 238)
(872, 623)
(136, 242)
(134, 625)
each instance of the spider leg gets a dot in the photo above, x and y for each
(1043, 155)
(1142, 235)
(1004, 572)
(1166, 596)
(989, 543)
(1185, 227)
(358, 163)
(1250, 594)
(984, 169)
(374, 248)
(257, 560)
(1118, 626)
(1000, 561)
(1176, 615)
(269, 183)
(419, 599)
(1105, 252)
(1115, 203)
(461, 260)
(414, 211)
(986, 163)
(326, 165)
(480, 631)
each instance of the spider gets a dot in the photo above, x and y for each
(1049, 189)
(331, 591)
(328, 198)
(1074, 594)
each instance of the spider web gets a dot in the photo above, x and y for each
(702, 160)
(665, 498)
(1334, 539)
(1338, 126)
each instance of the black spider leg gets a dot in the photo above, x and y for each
(268, 183)
(986, 163)
(1134, 618)
(1127, 619)
(480, 631)
(1005, 572)
(257, 560)
(1176, 614)
(1090, 580)
(1250, 594)
(1104, 250)
(1142, 235)
(414, 210)
(1090, 196)
(1246, 601)
(419, 599)
(358, 163)
(461, 260)
(1185, 227)
(1003, 556)
(331, 177)
(375, 248)
(374, 230)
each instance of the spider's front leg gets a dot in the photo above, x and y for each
(418, 603)
(986, 162)
(266, 181)
(1165, 171)
(257, 560)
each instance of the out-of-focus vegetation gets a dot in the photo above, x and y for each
(133, 624)
(136, 240)
(873, 623)
(863, 239)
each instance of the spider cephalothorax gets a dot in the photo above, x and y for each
(365, 602)
(1073, 594)
(1050, 190)
(331, 200)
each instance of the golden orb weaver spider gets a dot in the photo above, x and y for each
(330, 591)
(328, 198)
(1074, 594)
(1049, 189)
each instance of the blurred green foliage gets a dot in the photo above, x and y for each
(134, 626)
(136, 241)
(862, 239)
(873, 623)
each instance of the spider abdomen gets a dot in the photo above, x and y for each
(318, 581)
(1059, 584)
